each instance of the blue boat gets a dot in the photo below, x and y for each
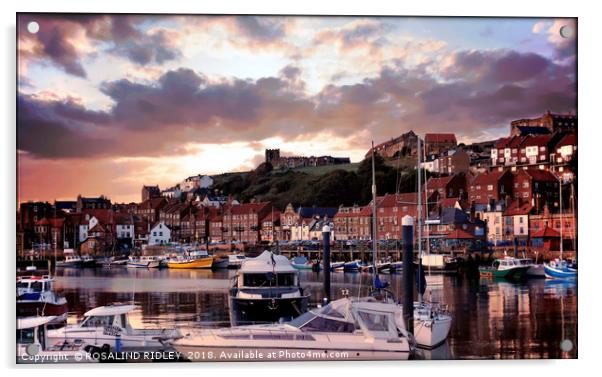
(352, 266)
(559, 269)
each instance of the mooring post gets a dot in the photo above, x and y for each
(407, 223)
(326, 240)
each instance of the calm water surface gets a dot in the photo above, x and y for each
(492, 319)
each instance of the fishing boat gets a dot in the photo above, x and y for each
(36, 297)
(220, 263)
(560, 269)
(110, 325)
(88, 261)
(73, 261)
(358, 329)
(302, 263)
(34, 347)
(188, 262)
(352, 266)
(508, 268)
(235, 260)
(266, 289)
(145, 261)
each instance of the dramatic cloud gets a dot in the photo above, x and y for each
(66, 40)
(480, 90)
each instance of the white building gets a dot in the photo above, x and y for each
(196, 181)
(160, 234)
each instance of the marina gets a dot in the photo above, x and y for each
(504, 319)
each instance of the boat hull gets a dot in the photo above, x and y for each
(245, 311)
(203, 263)
(536, 271)
(69, 264)
(511, 273)
(220, 263)
(560, 273)
(432, 332)
(41, 308)
(152, 264)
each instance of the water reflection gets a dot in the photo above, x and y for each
(492, 319)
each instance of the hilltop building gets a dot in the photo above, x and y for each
(277, 161)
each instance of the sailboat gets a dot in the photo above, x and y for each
(432, 323)
(559, 268)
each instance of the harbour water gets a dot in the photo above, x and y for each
(492, 319)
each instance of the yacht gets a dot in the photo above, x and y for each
(266, 289)
(34, 347)
(35, 296)
(349, 329)
(432, 324)
(110, 325)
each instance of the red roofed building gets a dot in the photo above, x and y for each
(353, 223)
(537, 187)
(439, 143)
(565, 149)
(149, 209)
(494, 185)
(243, 222)
(270, 226)
(534, 149)
(453, 186)
(516, 220)
(391, 208)
(216, 225)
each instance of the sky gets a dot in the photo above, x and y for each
(108, 103)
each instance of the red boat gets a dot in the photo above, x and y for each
(35, 297)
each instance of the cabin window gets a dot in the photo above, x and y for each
(375, 321)
(322, 324)
(22, 285)
(37, 286)
(286, 279)
(25, 336)
(99, 321)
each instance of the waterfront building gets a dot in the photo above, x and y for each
(242, 223)
(491, 185)
(160, 234)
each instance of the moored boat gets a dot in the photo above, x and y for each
(432, 324)
(88, 261)
(235, 260)
(145, 261)
(73, 261)
(301, 263)
(33, 345)
(535, 270)
(354, 329)
(352, 266)
(110, 325)
(191, 262)
(35, 297)
(507, 268)
(560, 269)
(266, 289)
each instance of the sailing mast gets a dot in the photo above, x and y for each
(419, 220)
(427, 237)
(374, 233)
(561, 225)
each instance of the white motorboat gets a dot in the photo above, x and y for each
(34, 347)
(110, 325)
(235, 260)
(345, 329)
(145, 261)
(266, 289)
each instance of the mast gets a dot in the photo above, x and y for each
(419, 217)
(561, 225)
(428, 240)
(374, 233)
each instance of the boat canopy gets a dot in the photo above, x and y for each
(110, 310)
(30, 322)
(268, 262)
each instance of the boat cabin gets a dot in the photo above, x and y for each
(372, 319)
(108, 317)
(34, 284)
(267, 271)
(32, 330)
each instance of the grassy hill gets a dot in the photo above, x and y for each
(322, 186)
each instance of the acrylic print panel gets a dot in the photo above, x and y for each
(182, 177)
